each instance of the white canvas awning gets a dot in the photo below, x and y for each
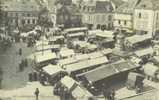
(107, 51)
(85, 64)
(151, 70)
(76, 34)
(105, 34)
(68, 82)
(66, 52)
(137, 38)
(143, 52)
(52, 69)
(45, 56)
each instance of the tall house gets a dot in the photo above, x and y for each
(21, 12)
(146, 17)
(123, 16)
(97, 15)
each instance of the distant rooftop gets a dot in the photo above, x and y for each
(20, 5)
(128, 7)
(148, 4)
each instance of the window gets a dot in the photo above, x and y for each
(28, 15)
(139, 15)
(109, 17)
(125, 22)
(119, 22)
(33, 21)
(28, 21)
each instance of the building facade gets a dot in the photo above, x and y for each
(123, 16)
(20, 13)
(98, 15)
(146, 17)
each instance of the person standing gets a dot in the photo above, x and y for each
(37, 93)
(20, 51)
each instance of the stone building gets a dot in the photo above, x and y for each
(123, 16)
(146, 17)
(20, 13)
(97, 15)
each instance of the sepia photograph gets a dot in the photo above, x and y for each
(79, 49)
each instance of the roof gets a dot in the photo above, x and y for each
(68, 82)
(76, 29)
(54, 38)
(52, 69)
(85, 64)
(108, 70)
(150, 69)
(105, 34)
(45, 56)
(66, 52)
(138, 38)
(21, 5)
(45, 47)
(76, 34)
(117, 2)
(148, 4)
(143, 52)
(127, 7)
(94, 55)
(79, 92)
(103, 7)
(107, 51)
(67, 61)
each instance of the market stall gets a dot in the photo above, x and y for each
(151, 71)
(54, 73)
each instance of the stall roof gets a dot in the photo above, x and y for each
(76, 34)
(79, 92)
(67, 61)
(156, 58)
(82, 44)
(85, 64)
(95, 55)
(105, 34)
(33, 56)
(150, 69)
(144, 52)
(138, 38)
(107, 51)
(52, 69)
(91, 46)
(66, 52)
(100, 73)
(76, 29)
(108, 70)
(46, 47)
(54, 38)
(68, 82)
(40, 43)
(82, 57)
(46, 56)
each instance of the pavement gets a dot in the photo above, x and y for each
(15, 84)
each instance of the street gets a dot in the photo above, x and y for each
(15, 83)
